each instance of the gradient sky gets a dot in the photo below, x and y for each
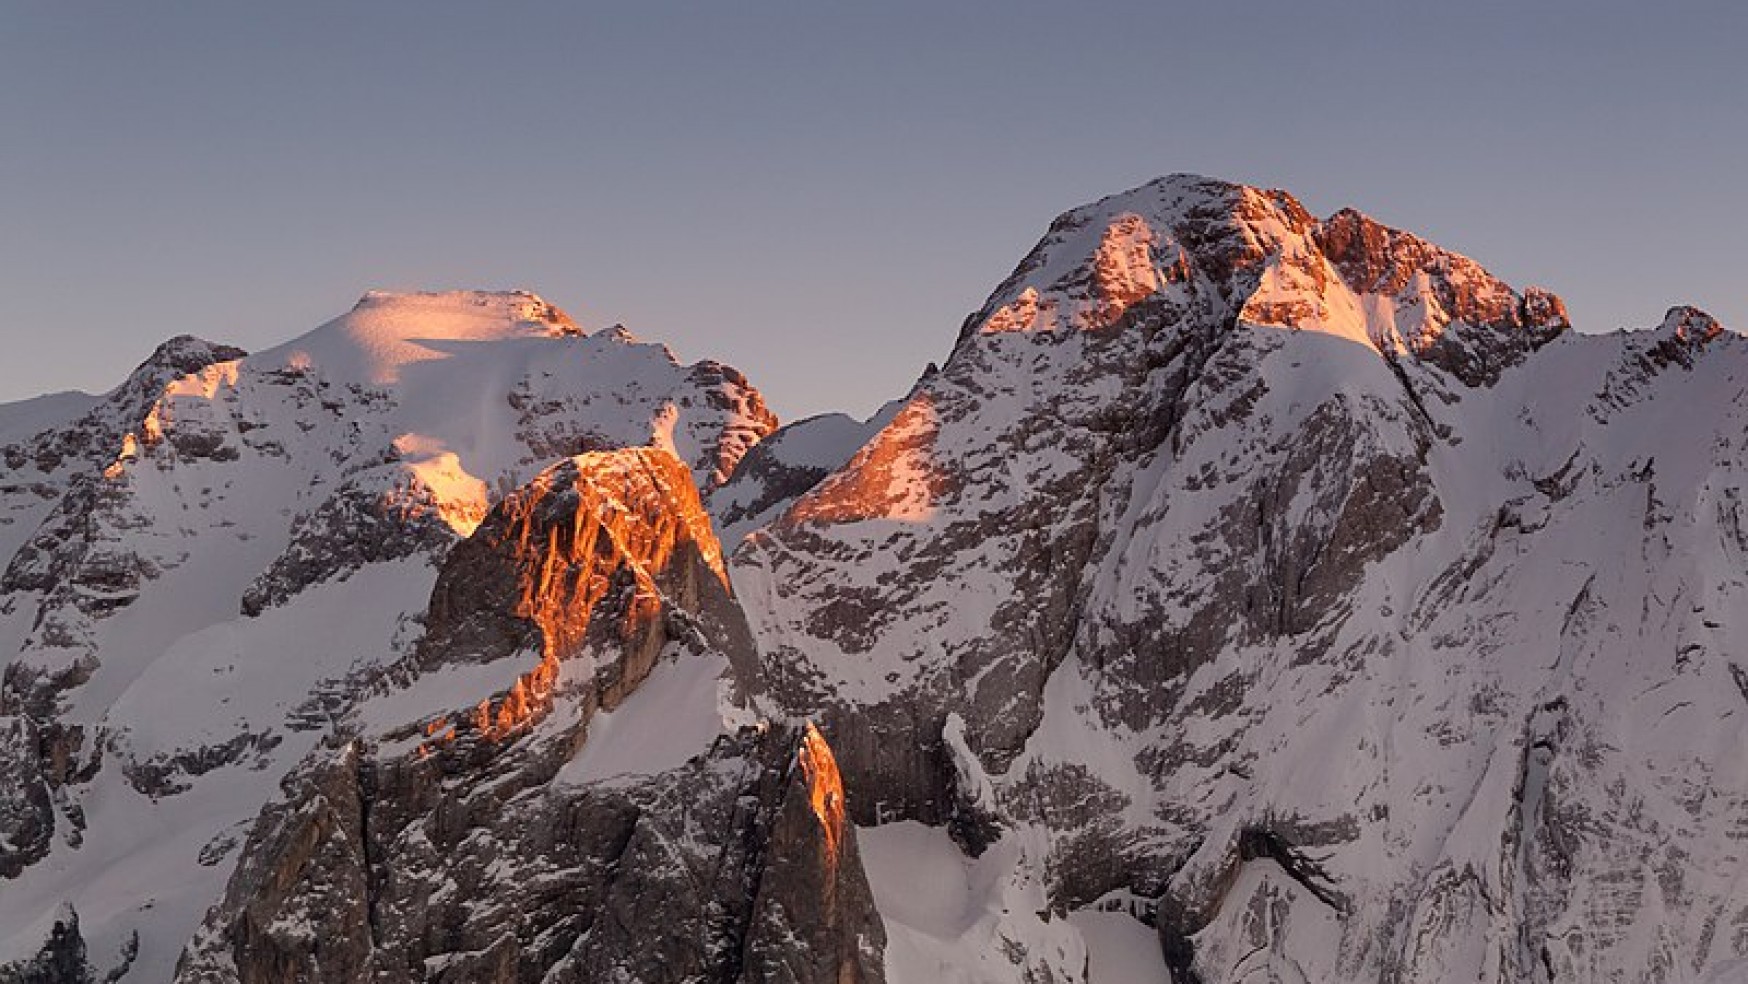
(815, 193)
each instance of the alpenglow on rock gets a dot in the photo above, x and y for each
(1248, 596)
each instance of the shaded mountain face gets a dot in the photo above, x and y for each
(1248, 596)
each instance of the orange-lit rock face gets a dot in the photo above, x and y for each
(187, 393)
(1124, 268)
(631, 511)
(1375, 259)
(601, 535)
(1025, 313)
(895, 476)
(1129, 265)
(1691, 326)
(825, 788)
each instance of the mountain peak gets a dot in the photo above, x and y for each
(1188, 192)
(387, 331)
(171, 360)
(187, 353)
(1097, 261)
(447, 308)
(1260, 257)
(1691, 325)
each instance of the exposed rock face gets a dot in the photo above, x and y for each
(459, 848)
(717, 871)
(622, 527)
(61, 959)
(27, 812)
(1466, 321)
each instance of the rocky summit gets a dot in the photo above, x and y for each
(1248, 596)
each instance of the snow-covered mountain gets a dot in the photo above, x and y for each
(209, 565)
(1247, 597)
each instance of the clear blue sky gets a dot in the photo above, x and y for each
(816, 193)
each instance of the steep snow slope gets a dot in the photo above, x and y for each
(208, 563)
(1306, 583)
